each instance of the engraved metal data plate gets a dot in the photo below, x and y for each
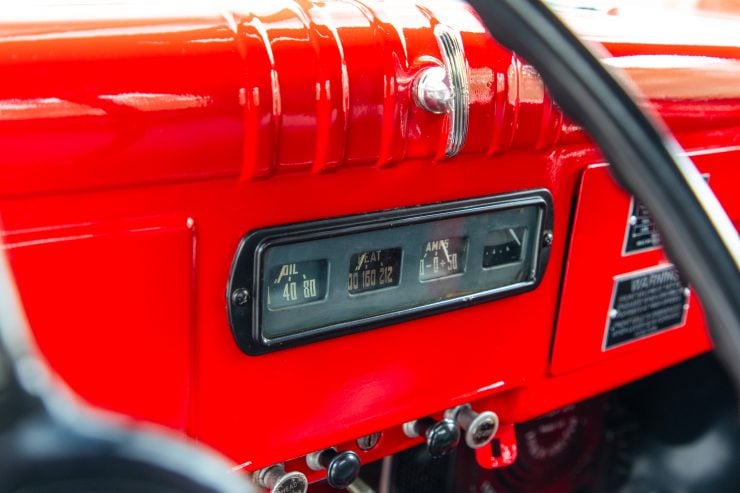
(645, 303)
(641, 231)
(642, 234)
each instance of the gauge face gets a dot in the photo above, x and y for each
(503, 246)
(442, 258)
(374, 269)
(297, 283)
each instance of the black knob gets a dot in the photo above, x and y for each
(342, 468)
(442, 436)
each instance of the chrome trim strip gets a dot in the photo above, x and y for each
(453, 56)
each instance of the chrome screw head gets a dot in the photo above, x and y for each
(240, 297)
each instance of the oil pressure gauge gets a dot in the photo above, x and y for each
(296, 283)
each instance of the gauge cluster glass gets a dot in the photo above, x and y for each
(316, 280)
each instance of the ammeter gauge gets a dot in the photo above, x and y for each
(442, 257)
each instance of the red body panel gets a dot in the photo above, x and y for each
(140, 146)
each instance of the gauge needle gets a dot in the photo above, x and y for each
(447, 254)
(360, 261)
(515, 237)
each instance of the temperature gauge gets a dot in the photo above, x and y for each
(296, 283)
(374, 269)
(443, 257)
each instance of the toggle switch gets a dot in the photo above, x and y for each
(441, 436)
(342, 468)
(480, 428)
(277, 480)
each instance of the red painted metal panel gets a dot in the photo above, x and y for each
(111, 307)
(94, 96)
(595, 259)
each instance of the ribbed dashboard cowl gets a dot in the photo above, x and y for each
(139, 92)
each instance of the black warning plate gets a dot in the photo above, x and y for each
(644, 303)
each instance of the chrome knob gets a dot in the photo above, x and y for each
(432, 91)
(342, 468)
(441, 436)
(277, 480)
(446, 88)
(480, 428)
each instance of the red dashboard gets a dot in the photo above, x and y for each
(141, 142)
